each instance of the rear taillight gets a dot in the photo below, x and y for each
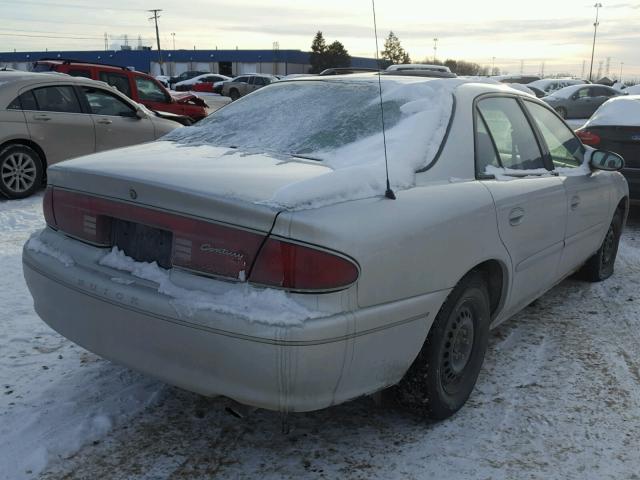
(292, 266)
(202, 246)
(588, 138)
(47, 207)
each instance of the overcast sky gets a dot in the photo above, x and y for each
(556, 32)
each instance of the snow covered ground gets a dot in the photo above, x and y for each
(559, 397)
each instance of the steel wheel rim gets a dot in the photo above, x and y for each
(459, 340)
(608, 247)
(18, 172)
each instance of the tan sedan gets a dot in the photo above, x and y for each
(47, 118)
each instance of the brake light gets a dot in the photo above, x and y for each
(47, 207)
(296, 267)
(588, 138)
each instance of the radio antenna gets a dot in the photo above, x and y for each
(389, 193)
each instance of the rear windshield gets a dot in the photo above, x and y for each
(328, 119)
(42, 67)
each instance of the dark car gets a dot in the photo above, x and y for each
(138, 86)
(185, 76)
(615, 127)
(538, 91)
(580, 101)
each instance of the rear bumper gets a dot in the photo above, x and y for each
(324, 362)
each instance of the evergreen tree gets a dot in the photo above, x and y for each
(336, 56)
(393, 51)
(318, 51)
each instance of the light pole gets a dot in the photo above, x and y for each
(620, 79)
(597, 6)
(435, 49)
(173, 35)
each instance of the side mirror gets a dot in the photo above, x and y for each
(141, 114)
(609, 161)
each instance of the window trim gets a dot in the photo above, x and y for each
(539, 133)
(518, 99)
(32, 90)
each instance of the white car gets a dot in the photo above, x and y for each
(550, 85)
(265, 257)
(202, 83)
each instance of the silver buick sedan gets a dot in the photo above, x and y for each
(257, 256)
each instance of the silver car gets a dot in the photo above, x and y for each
(580, 101)
(47, 118)
(262, 259)
(245, 84)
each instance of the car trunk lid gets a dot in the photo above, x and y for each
(622, 140)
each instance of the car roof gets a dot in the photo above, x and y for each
(19, 79)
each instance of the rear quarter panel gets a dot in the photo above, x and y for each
(13, 125)
(423, 242)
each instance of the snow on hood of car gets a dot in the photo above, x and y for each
(619, 111)
(337, 123)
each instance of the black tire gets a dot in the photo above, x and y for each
(562, 112)
(443, 375)
(601, 265)
(21, 171)
(234, 94)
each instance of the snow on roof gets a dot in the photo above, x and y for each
(619, 111)
(566, 92)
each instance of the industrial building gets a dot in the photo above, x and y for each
(174, 62)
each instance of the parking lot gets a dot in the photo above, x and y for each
(558, 397)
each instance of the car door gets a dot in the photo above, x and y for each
(56, 122)
(582, 103)
(530, 203)
(587, 193)
(116, 121)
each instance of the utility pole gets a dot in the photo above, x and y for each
(582, 72)
(435, 49)
(597, 6)
(493, 66)
(542, 69)
(620, 79)
(607, 69)
(173, 35)
(155, 18)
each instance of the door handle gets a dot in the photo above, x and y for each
(40, 116)
(515, 216)
(575, 202)
(105, 121)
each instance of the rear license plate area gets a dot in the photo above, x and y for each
(141, 242)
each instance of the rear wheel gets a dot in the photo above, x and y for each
(234, 94)
(600, 266)
(21, 171)
(562, 112)
(442, 377)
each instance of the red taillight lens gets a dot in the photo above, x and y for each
(296, 267)
(47, 207)
(588, 138)
(198, 245)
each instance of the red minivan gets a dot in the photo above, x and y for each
(138, 86)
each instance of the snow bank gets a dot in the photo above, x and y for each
(619, 111)
(337, 123)
(268, 306)
(36, 245)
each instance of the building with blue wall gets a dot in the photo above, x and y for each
(174, 62)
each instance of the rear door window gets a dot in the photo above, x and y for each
(118, 80)
(564, 147)
(149, 91)
(511, 133)
(57, 99)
